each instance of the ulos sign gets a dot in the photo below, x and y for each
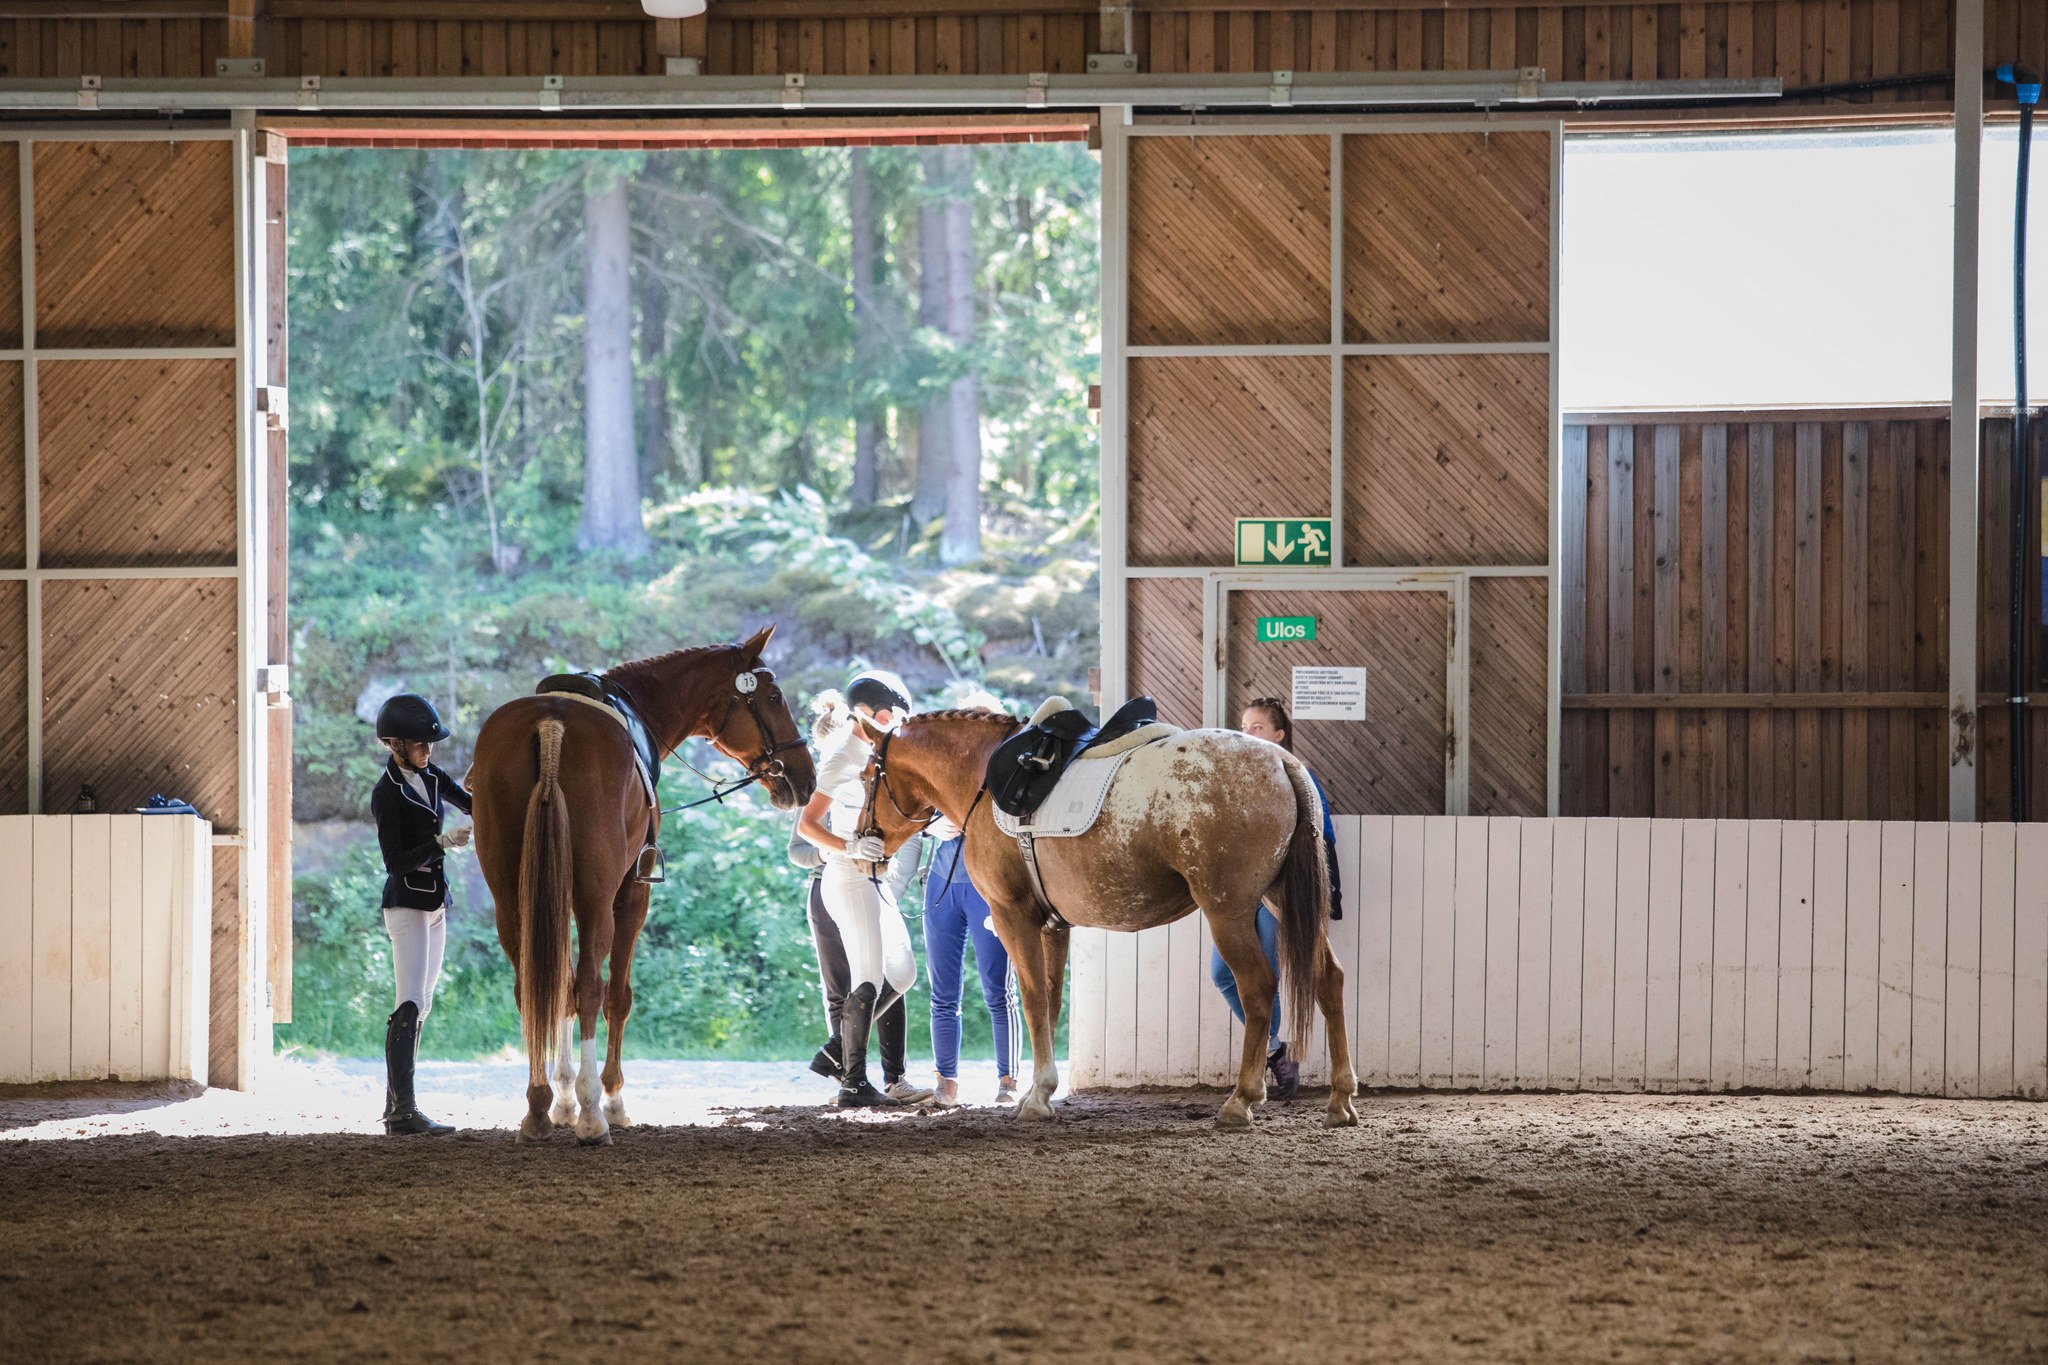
(1280, 629)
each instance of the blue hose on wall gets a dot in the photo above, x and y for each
(2027, 85)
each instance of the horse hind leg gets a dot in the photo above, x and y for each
(1236, 935)
(564, 1112)
(592, 1129)
(628, 915)
(1343, 1080)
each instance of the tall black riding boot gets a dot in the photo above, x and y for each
(855, 1090)
(401, 1050)
(892, 1030)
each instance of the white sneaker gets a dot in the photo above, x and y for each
(947, 1093)
(903, 1092)
(1006, 1090)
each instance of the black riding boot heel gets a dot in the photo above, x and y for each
(855, 1090)
(827, 1063)
(401, 1050)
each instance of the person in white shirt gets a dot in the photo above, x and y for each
(878, 957)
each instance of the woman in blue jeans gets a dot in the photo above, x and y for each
(1266, 718)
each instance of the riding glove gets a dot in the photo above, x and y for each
(867, 849)
(455, 838)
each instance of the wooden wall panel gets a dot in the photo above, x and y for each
(1166, 647)
(1393, 762)
(1213, 438)
(139, 686)
(228, 1003)
(1229, 240)
(1766, 569)
(134, 244)
(1994, 595)
(1447, 237)
(137, 462)
(10, 245)
(1446, 460)
(13, 699)
(1509, 773)
(13, 488)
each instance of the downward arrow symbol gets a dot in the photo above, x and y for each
(1282, 546)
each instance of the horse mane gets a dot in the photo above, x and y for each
(1003, 718)
(639, 668)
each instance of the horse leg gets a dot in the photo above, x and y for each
(564, 1112)
(1343, 1080)
(629, 913)
(537, 1124)
(1018, 928)
(1237, 938)
(591, 1128)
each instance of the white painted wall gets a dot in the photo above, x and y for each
(1665, 955)
(105, 947)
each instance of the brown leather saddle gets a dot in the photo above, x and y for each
(1026, 767)
(596, 687)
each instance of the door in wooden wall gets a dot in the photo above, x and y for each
(1393, 762)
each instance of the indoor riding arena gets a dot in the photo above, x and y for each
(1677, 739)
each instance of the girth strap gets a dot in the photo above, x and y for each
(1027, 845)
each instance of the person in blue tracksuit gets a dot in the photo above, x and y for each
(1266, 718)
(954, 912)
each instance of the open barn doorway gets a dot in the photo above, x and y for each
(564, 396)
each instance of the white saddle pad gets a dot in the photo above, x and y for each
(1073, 805)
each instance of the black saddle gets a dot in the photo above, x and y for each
(1026, 767)
(598, 688)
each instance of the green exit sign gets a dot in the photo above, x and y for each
(1283, 540)
(1279, 629)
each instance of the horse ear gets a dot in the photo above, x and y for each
(753, 647)
(873, 732)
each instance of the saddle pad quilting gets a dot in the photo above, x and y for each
(1073, 805)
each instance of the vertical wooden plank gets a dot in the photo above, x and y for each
(1566, 991)
(124, 1022)
(1371, 984)
(1863, 956)
(1120, 1009)
(1643, 58)
(50, 991)
(1741, 39)
(1664, 621)
(1406, 940)
(1598, 1001)
(1713, 599)
(1533, 1005)
(1671, 841)
(1187, 977)
(17, 947)
(2030, 963)
(1806, 597)
(1895, 957)
(1152, 1005)
(1855, 596)
(1961, 999)
(1218, 1048)
(1714, 865)
(1762, 605)
(1929, 982)
(92, 944)
(1345, 935)
(1995, 974)
(1831, 915)
(858, 59)
(1468, 953)
(1761, 1042)
(1503, 41)
(158, 889)
(1797, 993)
(1632, 899)
(1501, 965)
(1621, 594)
(1550, 43)
(1439, 921)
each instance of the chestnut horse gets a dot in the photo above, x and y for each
(561, 816)
(1206, 819)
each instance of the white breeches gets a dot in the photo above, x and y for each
(417, 939)
(871, 928)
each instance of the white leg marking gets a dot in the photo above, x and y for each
(1045, 1078)
(590, 1121)
(615, 1108)
(564, 1111)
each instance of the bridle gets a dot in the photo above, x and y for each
(870, 825)
(746, 690)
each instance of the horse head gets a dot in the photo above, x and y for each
(757, 731)
(929, 766)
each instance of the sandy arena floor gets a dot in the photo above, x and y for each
(1445, 1227)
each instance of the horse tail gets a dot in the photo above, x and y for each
(1305, 907)
(546, 900)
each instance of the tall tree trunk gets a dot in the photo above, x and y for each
(934, 460)
(960, 543)
(611, 466)
(657, 445)
(866, 423)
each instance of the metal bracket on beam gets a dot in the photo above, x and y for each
(1112, 64)
(550, 92)
(793, 90)
(88, 92)
(681, 66)
(238, 68)
(1282, 92)
(1527, 88)
(1035, 86)
(309, 92)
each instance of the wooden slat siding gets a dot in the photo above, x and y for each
(1619, 610)
(1895, 955)
(1445, 460)
(134, 244)
(1510, 645)
(1500, 946)
(13, 522)
(1165, 661)
(128, 981)
(139, 686)
(137, 462)
(1405, 947)
(17, 948)
(1230, 240)
(1856, 794)
(1790, 959)
(1713, 609)
(1447, 237)
(1634, 899)
(1396, 766)
(1565, 956)
(1994, 729)
(1998, 932)
(50, 946)
(1192, 420)
(1153, 1000)
(2030, 963)
(10, 260)
(1806, 595)
(1964, 996)
(1831, 919)
(13, 700)
(1582, 776)
(1371, 900)
(1685, 1061)
(1436, 902)
(1663, 626)
(1930, 942)
(92, 945)
(1596, 977)
(1468, 950)
(227, 1014)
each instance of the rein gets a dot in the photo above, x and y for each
(871, 824)
(745, 687)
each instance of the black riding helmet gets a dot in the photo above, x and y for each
(868, 690)
(409, 716)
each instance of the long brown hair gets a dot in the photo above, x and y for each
(1276, 712)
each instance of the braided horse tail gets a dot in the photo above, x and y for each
(546, 901)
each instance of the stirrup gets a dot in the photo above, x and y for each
(660, 874)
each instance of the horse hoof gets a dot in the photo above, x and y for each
(603, 1139)
(1234, 1120)
(1347, 1117)
(615, 1115)
(1039, 1113)
(532, 1129)
(563, 1114)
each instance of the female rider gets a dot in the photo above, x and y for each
(879, 964)
(1266, 718)
(407, 803)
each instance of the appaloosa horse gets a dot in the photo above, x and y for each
(1208, 819)
(561, 818)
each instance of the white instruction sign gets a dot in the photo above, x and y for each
(1329, 694)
